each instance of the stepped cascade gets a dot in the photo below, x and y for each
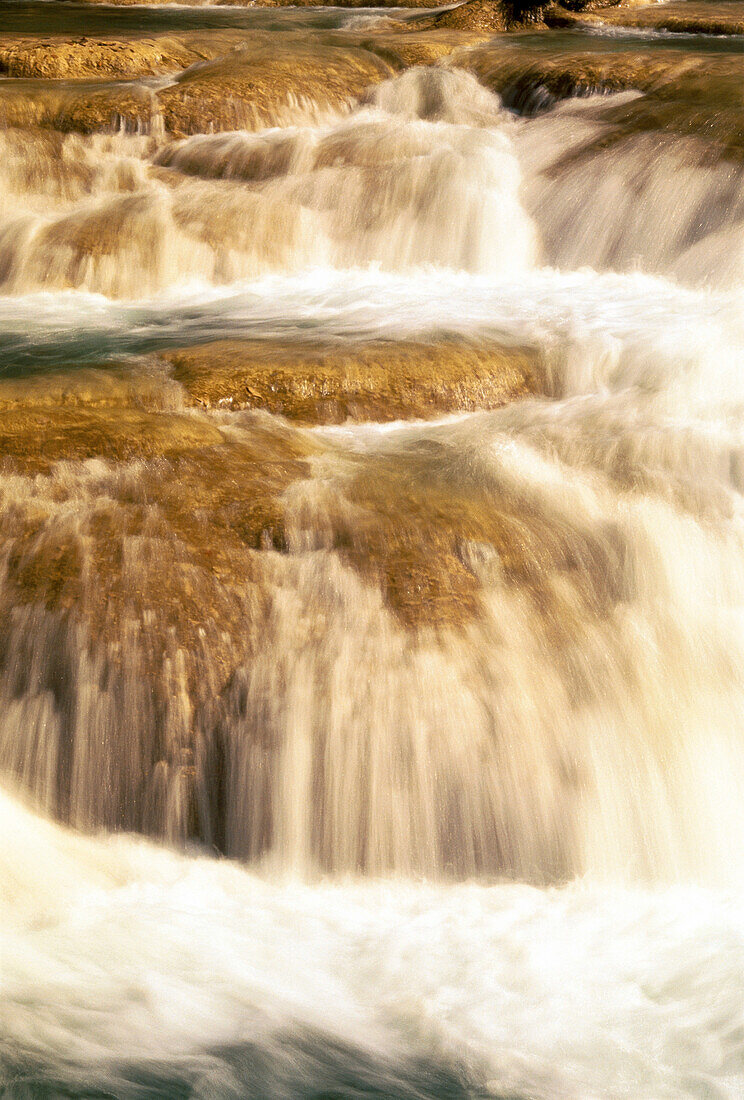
(372, 556)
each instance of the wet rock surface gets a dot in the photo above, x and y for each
(487, 16)
(61, 58)
(684, 93)
(219, 484)
(254, 84)
(219, 81)
(688, 17)
(368, 381)
(158, 544)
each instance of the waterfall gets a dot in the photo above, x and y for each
(371, 589)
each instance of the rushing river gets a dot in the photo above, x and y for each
(435, 788)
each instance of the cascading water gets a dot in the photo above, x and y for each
(465, 694)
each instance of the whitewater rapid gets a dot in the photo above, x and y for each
(548, 308)
(134, 971)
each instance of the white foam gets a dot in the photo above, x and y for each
(123, 962)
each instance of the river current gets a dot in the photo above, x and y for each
(440, 792)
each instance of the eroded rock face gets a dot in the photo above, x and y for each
(190, 462)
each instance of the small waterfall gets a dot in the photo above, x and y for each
(652, 202)
(504, 646)
(279, 200)
(265, 683)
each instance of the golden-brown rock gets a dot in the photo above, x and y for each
(684, 92)
(76, 107)
(414, 44)
(263, 84)
(373, 380)
(64, 58)
(210, 489)
(268, 80)
(679, 16)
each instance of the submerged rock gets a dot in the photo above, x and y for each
(112, 415)
(77, 108)
(216, 488)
